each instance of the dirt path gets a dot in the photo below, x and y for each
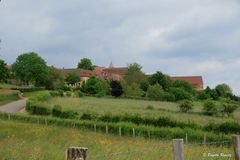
(14, 106)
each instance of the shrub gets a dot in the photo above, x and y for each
(68, 93)
(209, 108)
(88, 116)
(155, 92)
(116, 89)
(185, 106)
(69, 114)
(54, 93)
(80, 93)
(57, 111)
(226, 127)
(228, 109)
(168, 97)
(149, 107)
(180, 94)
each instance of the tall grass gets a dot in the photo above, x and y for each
(20, 141)
(8, 97)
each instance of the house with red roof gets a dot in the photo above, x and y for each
(195, 81)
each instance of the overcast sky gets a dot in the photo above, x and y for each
(187, 37)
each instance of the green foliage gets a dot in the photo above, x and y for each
(132, 90)
(223, 90)
(80, 93)
(202, 95)
(116, 88)
(144, 84)
(155, 92)
(141, 130)
(225, 127)
(55, 93)
(68, 93)
(180, 94)
(4, 72)
(134, 74)
(168, 97)
(149, 107)
(93, 86)
(85, 63)
(55, 79)
(31, 68)
(228, 109)
(161, 79)
(72, 78)
(69, 114)
(185, 106)
(57, 111)
(8, 97)
(210, 108)
(183, 85)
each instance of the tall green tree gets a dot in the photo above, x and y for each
(223, 90)
(85, 63)
(184, 85)
(4, 72)
(162, 79)
(31, 68)
(134, 74)
(55, 79)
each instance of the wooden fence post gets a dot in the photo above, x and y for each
(134, 132)
(178, 149)
(76, 153)
(106, 129)
(186, 140)
(46, 121)
(205, 140)
(236, 145)
(95, 128)
(9, 117)
(120, 131)
(149, 134)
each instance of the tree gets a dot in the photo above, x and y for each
(155, 92)
(134, 74)
(162, 79)
(93, 86)
(31, 68)
(55, 79)
(144, 85)
(223, 90)
(85, 63)
(132, 90)
(184, 85)
(117, 89)
(4, 72)
(72, 78)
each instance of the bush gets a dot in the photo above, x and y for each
(68, 93)
(80, 93)
(180, 94)
(228, 109)
(168, 97)
(149, 107)
(54, 93)
(186, 106)
(226, 127)
(116, 89)
(69, 114)
(155, 92)
(57, 111)
(209, 108)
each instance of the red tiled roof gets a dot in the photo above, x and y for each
(196, 81)
(120, 70)
(80, 72)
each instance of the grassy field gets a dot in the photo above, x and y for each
(7, 86)
(8, 97)
(121, 106)
(36, 142)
